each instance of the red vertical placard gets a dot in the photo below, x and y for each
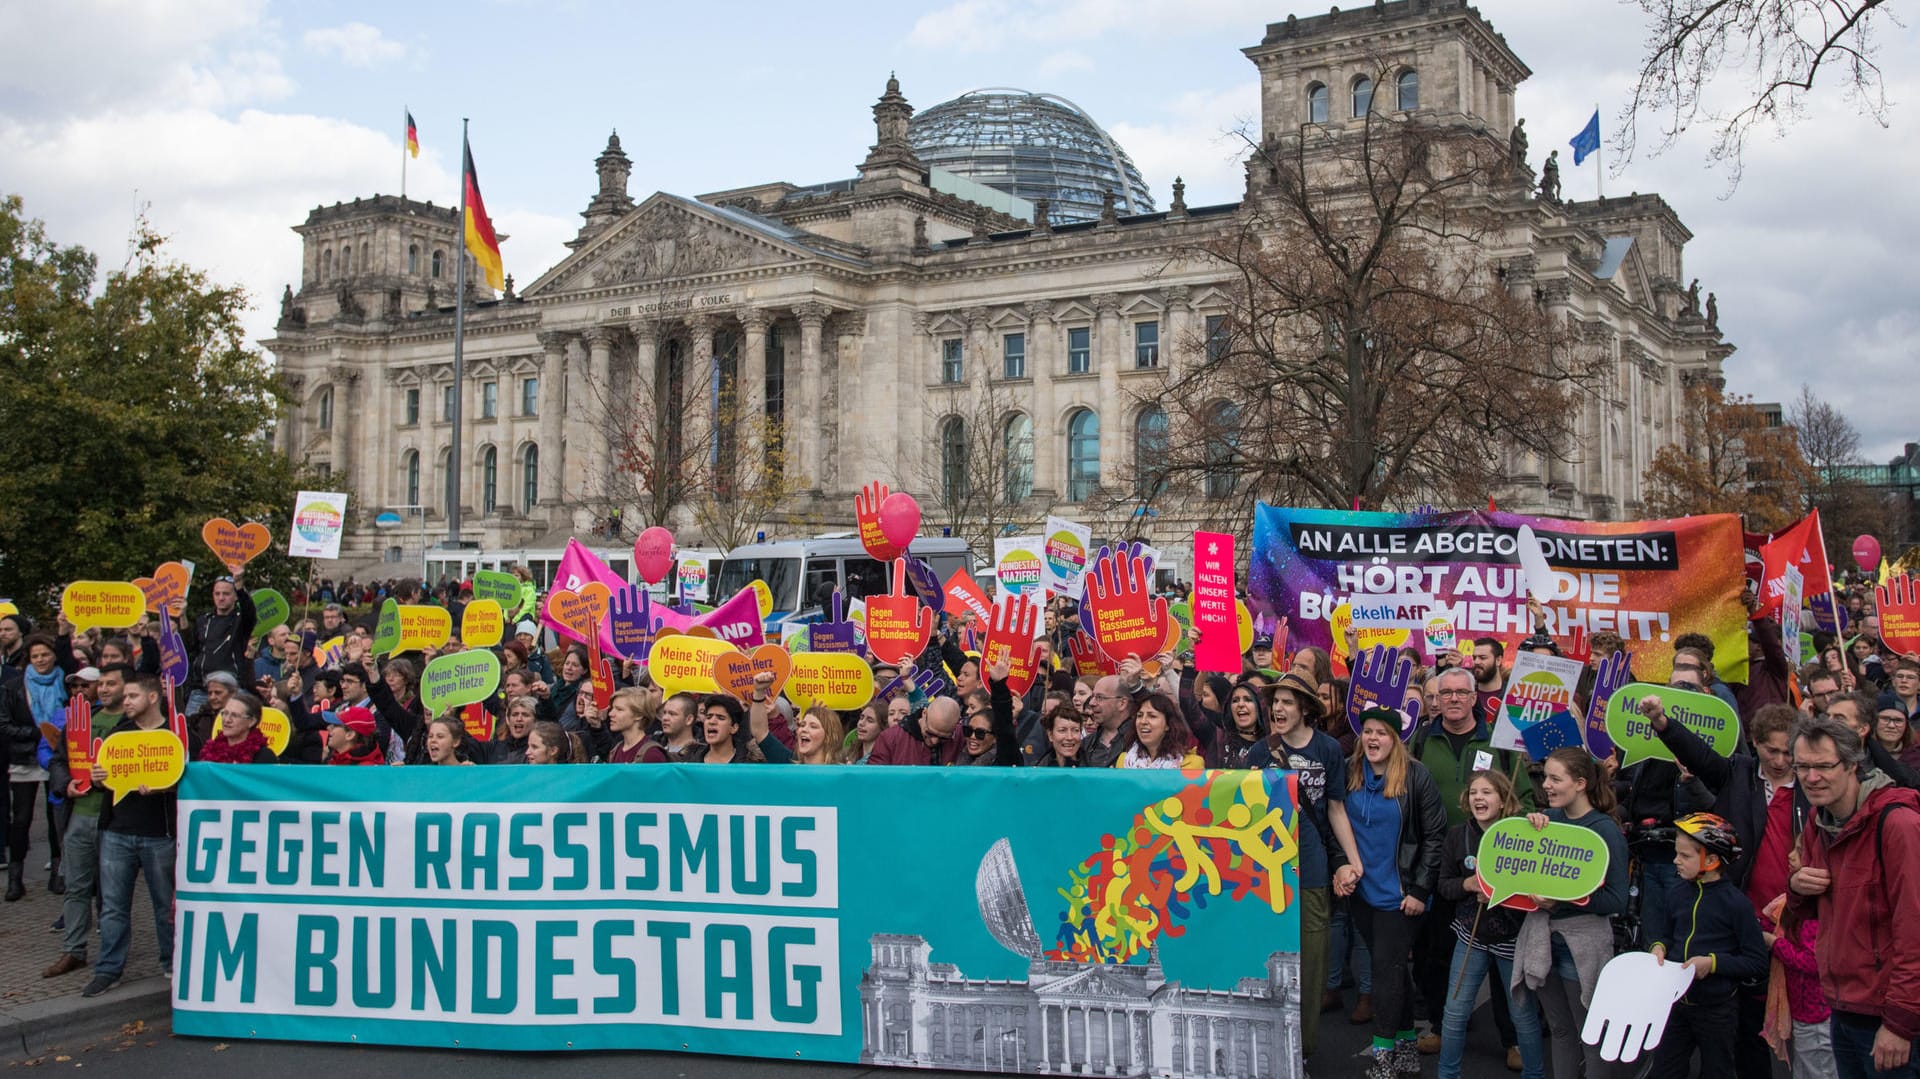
(1215, 618)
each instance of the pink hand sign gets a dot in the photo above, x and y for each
(1128, 619)
(898, 625)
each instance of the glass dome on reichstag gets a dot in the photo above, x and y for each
(1032, 146)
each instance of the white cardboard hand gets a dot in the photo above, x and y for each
(1541, 582)
(1631, 1004)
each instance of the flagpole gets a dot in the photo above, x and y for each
(405, 112)
(459, 342)
(1599, 183)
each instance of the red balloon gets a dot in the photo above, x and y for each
(1866, 553)
(653, 554)
(900, 519)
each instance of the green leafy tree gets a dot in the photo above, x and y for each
(132, 412)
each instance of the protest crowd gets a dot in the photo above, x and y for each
(1785, 876)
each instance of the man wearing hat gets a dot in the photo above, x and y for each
(1326, 839)
(1261, 654)
(529, 634)
(353, 737)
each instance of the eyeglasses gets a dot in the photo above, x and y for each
(1807, 768)
(1456, 693)
(978, 732)
(1105, 697)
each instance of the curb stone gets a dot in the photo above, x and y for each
(38, 1026)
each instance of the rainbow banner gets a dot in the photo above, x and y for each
(1648, 581)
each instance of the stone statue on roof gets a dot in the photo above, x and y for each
(1550, 178)
(1517, 144)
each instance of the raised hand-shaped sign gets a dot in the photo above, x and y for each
(866, 511)
(925, 583)
(1381, 677)
(898, 625)
(631, 623)
(1898, 603)
(1087, 656)
(1128, 619)
(1607, 680)
(922, 685)
(1010, 635)
(1631, 1002)
(837, 634)
(80, 745)
(1133, 549)
(174, 663)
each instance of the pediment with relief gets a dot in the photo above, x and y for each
(662, 241)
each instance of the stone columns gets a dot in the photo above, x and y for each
(703, 382)
(750, 393)
(1176, 328)
(553, 413)
(577, 431)
(1044, 349)
(1110, 357)
(597, 403)
(841, 417)
(978, 356)
(803, 407)
(644, 394)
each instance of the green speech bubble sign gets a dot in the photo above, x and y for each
(1561, 862)
(270, 609)
(502, 588)
(1702, 713)
(386, 632)
(459, 678)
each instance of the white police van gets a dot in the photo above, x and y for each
(803, 574)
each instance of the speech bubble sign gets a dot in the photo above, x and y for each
(167, 585)
(270, 609)
(275, 727)
(423, 625)
(736, 671)
(102, 604)
(683, 663)
(235, 545)
(459, 678)
(582, 610)
(763, 596)
(135, 759)
(483, 624)
(386, 629)
(502, 588)
(1561, 862)
(840, 681)
(1702, 713)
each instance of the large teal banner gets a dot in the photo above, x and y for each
(1121, 922)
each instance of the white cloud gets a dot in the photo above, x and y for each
(1061, 63)
(989, 25)
(1196, 141)
(535, 242)
(356, 44)
(79, 56)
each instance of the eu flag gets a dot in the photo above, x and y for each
(1588, 140)
(1557, 731)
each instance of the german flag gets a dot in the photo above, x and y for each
(413, 137)
(481, 242)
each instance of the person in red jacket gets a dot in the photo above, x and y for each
(1860, 872)
(932, 737)
(353, 737)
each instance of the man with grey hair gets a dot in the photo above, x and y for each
(1860, 875)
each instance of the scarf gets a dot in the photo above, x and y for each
(1872, 781)
(371, 756)
(221, 751)
(47, 694)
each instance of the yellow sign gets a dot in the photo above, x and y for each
(274, 727)
(839, 680)
(764, 594)
(682, 663)
(423, 626)
(483, 624)
(106, 604)
(135, 759)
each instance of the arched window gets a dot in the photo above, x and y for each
(1083, 455)
(530, 477)
(410, 461)
(439, 257)
(346, 259)
(413, 258)
(326, 264)
(1150, 451)
(1362, 96)
(1223, 443)
(489, 479)
(1409, 90)
(1017, 443)
(1317, 99)
(953, 459)
(364, 262)
(326, 409)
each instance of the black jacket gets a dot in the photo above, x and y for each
(218, 642)
(1739, 794)
(1716, 919)
(1494, 925)
(17, 725)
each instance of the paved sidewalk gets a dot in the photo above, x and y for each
(34, 1007)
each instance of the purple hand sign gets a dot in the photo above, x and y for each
(1612, 673)
(838, 634)
(926, 685)
(632, 624)
(925, 584)
(174, 664)
(1381, 678)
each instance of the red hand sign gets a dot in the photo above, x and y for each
(1898, 603)
(80, 744)
(897, 624)
(1128, 619)
(866, 511)
(1087, 657)
(1011, 634)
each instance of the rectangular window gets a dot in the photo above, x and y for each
(489, 400)
(413, 405)
(1079, 350)
(1013, 348)
(1146, 344)
(1216, 338)
(950, 369)
(530, 396)
(446, 404)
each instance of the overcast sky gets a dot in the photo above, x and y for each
(228, 120)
